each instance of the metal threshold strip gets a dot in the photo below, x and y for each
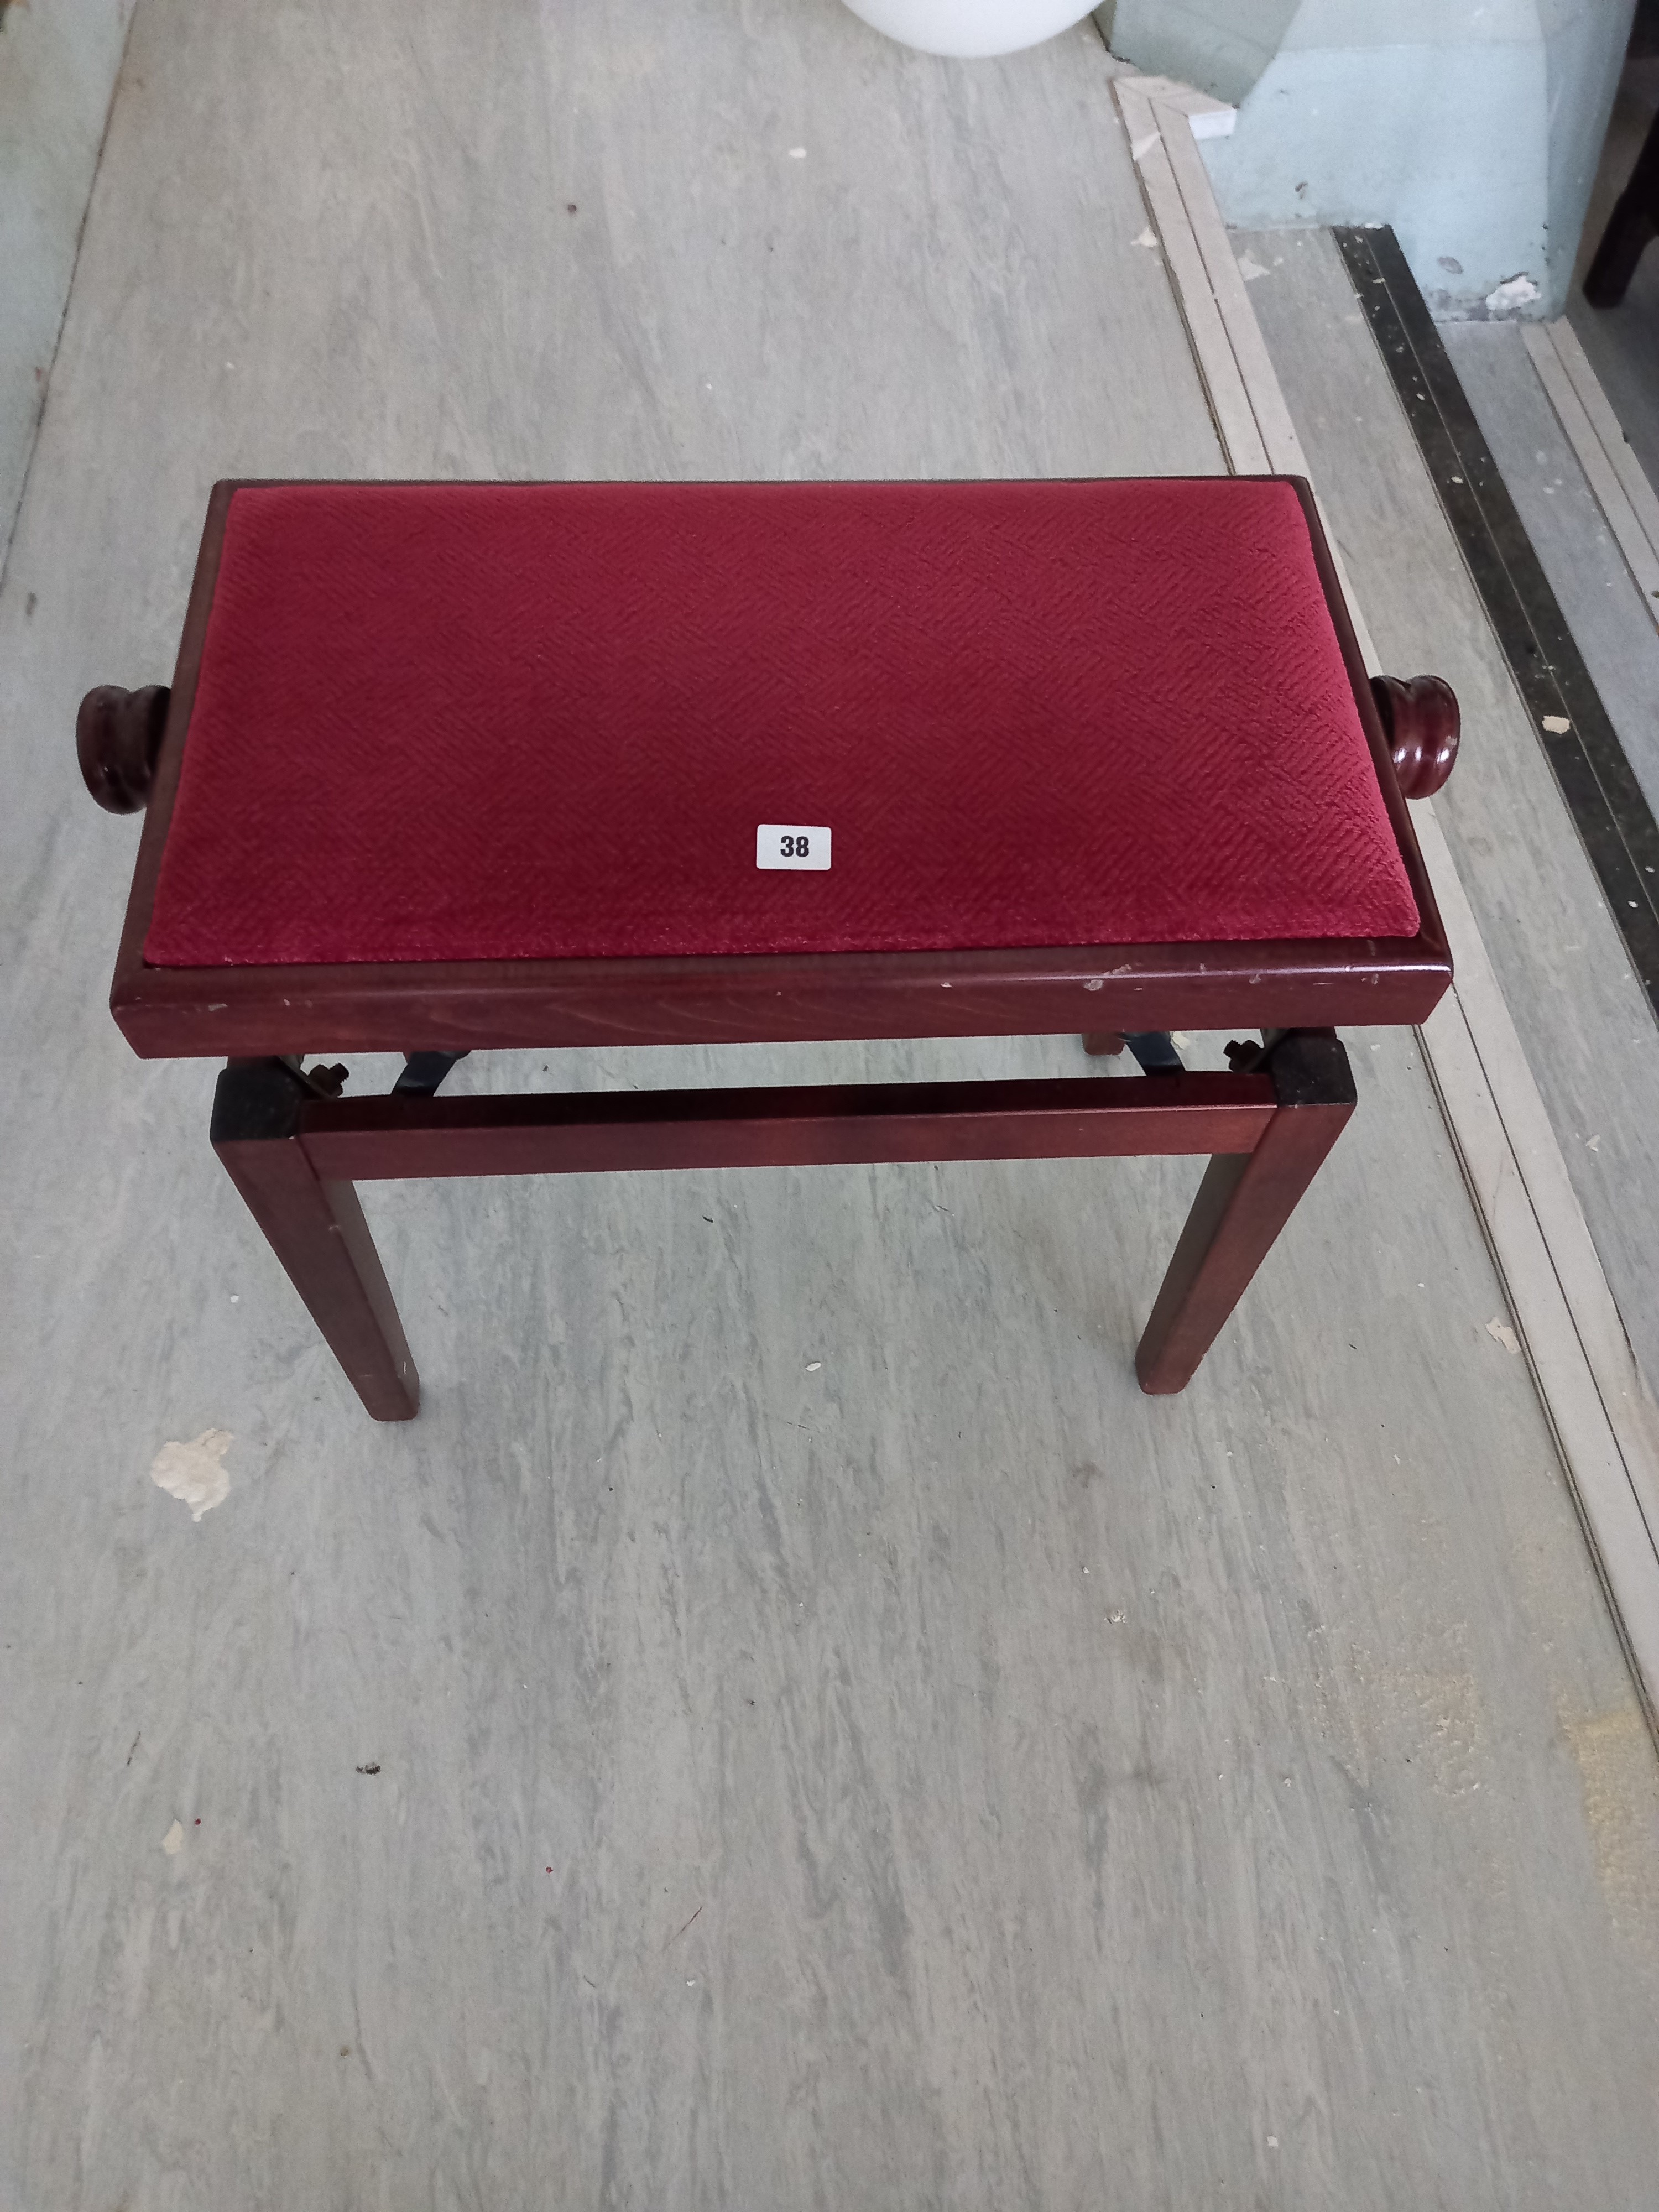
(1607, 803)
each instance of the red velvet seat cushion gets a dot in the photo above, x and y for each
(469, 722)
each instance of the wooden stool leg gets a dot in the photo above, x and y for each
(1243, 1203)
(317, 1230)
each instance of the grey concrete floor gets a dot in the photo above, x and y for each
(58, 71)
(1584, 1017)
(790, 1724)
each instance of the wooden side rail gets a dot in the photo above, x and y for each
(369, 1139)
(295, 1155)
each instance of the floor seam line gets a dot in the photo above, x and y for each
(63, 314)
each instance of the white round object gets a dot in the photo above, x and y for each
(970, 26)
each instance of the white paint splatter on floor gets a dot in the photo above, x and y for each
(194, 1473)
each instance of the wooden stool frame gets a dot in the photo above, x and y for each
(295, 1152)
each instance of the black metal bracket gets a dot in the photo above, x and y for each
(1154, 1052)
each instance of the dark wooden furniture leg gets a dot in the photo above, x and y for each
(293, 1150)
(317, 1229)
(1630, 229)
(1243, 1202)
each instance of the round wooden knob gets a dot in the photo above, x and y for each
(118, 735)
(1421, 721)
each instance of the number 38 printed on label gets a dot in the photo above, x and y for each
(792, 845)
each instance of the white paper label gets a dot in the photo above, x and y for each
(792, 845)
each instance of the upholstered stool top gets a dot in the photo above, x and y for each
(444, 722)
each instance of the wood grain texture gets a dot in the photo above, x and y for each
(295, 1157)
(117, 736)
(1242, 1206)
(314, 1224)
(1300, 1851)
(1421, 717)
(786, 1125)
